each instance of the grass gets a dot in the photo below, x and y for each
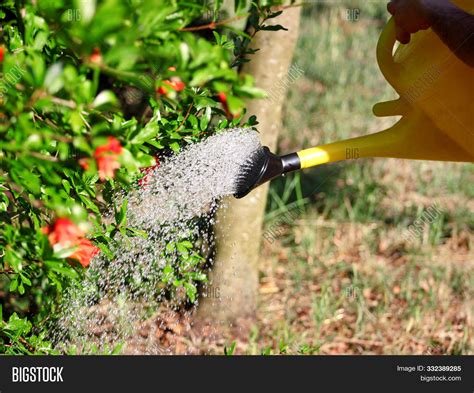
(342, 275)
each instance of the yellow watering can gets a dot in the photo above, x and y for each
(436, 104)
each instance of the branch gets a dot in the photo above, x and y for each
(42, 156)
(67, 103)
(213, 25)
(186, 116)
(19, 189)
(26, 344)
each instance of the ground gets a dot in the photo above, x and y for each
(341, 273)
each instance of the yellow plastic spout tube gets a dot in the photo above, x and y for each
(413, 137)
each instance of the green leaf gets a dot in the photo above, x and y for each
(64, 252)
(236, 105)
(13, 285)
(148, 132)
(77, 124)
(205, 119)
(40, 40)
(182, 249)
(20, 326)
(121, 214)
(66, 185)
(168, 274)
(13, 259)
(186, 243)
(86, 10)
(53, 81)
(273, 28)
(191, 291)
(250, 91)
(25, 280)
(89, 204)
(230, 351)
(105, 98)
(60, 268)
(196, 276)
(175, 147)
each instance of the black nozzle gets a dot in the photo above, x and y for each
(264, 166)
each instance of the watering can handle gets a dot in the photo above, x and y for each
(390, 69)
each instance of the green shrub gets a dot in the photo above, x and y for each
(90, 93)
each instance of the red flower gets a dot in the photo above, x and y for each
(223, 100)
(172, 68)
(174, 83)
(107, 165)
(106, 157)
(65, 234)
(96, 56)
(84, 163)
(161, 90)
(113, 145)
(2, 53)
(85, 252)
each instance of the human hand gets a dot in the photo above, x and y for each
(410, 16)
